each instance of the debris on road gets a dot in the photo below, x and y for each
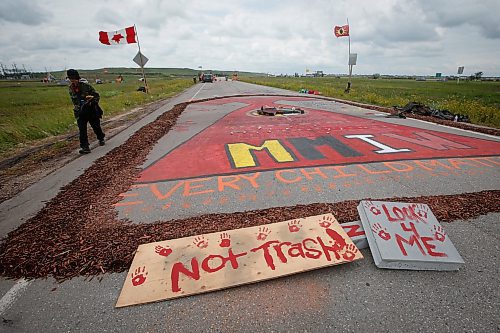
(310, 92)
(420, 109)
(273, 111)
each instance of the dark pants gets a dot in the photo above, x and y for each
(89, 116)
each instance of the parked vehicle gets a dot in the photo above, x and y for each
(208, 78)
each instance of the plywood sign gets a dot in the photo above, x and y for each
(407, 236)
(191, 265)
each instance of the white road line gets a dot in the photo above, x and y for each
(10, 297)
(197, 92)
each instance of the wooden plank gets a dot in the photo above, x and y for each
(203, 263)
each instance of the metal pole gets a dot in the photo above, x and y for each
(142, 65)
(348, 59)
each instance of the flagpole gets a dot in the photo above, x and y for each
(349, 66)
(142, 65)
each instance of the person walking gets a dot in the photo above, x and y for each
(86, 109)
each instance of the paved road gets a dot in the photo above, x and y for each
(353, 297)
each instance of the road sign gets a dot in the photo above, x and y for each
(352, 58)
(140, 59)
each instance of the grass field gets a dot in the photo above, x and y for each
(30, 111)
(480, 100)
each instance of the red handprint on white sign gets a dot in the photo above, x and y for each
(381, 232)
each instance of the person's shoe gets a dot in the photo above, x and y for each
(85, 150)
(101, 142)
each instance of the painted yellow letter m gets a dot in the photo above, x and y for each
(241, 155)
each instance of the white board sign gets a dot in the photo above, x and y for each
(407, 236)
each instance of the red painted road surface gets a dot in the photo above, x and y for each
(243, 141)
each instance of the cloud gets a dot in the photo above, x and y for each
(462, 14)
(23, 11)
(390, 36)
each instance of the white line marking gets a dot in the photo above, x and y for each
(197, 91)
(10, 297)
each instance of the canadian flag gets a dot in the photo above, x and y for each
(119, 37)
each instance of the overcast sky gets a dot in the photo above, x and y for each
(419, 37)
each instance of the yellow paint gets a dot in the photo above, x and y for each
(242, 157)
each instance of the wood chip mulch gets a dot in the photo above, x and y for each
(78, 232)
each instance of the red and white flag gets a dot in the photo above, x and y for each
(119, 37)
(341, 31)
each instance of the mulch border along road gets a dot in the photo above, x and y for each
(78, 232)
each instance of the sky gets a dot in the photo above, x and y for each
(408, 37)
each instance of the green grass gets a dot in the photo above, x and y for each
(30, 111)
(480, 100)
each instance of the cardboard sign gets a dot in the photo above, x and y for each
(407, 236)
(192, 265)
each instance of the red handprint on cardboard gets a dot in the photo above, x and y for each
(225, 240)
(381, 231)
(350, 252)
(294, 226)
(163, 251)
(200, 241)
(263, 233)
(139, 277)
(326, 221)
